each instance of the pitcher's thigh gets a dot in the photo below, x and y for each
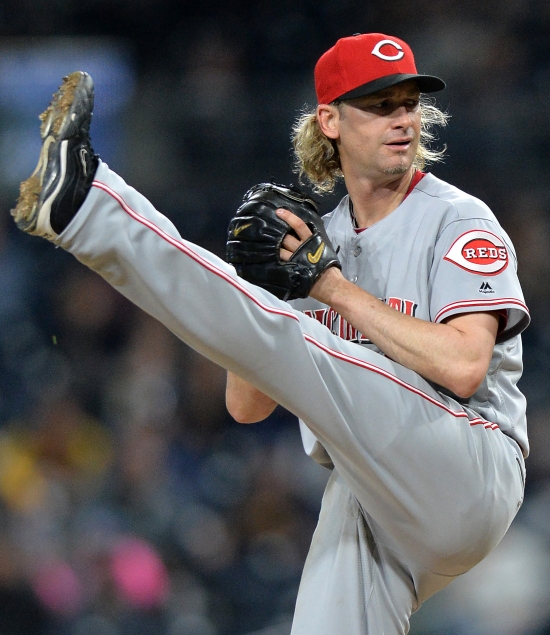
(439, 482)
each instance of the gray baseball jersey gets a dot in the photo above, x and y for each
(441, 253)
(422, 487)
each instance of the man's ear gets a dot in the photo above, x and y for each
(328, 118)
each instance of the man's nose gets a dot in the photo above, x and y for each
(402, 117)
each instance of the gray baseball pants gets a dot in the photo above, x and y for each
(421, 490)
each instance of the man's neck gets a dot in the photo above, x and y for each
(371, 202)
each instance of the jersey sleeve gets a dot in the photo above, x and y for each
(475, 269)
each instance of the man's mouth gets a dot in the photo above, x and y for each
(399, 144)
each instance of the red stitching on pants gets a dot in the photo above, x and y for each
(400, 382)
(185, 249)
(337, 354)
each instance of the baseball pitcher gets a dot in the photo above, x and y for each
(391, 327)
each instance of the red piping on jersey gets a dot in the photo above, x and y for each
(183, 247)
(485, 304)
(417, 177)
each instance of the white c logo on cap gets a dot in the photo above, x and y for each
(388, 58)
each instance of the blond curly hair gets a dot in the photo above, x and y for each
(316, 156)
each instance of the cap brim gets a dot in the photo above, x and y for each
(426, 83)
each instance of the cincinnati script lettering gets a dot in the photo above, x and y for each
(341, 327)
(404, 306)
(337, 325)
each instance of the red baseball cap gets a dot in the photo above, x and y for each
(366, 63)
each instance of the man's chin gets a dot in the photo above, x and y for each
(397, 170)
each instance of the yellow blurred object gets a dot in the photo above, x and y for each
(22, 486)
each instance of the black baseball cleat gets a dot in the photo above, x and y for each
(52, 195)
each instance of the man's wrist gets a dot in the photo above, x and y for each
(328, 284)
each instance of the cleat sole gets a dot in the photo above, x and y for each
(24, 212)
(58, 123)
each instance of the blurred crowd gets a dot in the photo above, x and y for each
(130, 502)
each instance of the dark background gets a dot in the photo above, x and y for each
(130, 502)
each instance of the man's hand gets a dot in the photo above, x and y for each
(256, 234)
(331, 277)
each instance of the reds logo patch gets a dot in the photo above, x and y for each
(384, 56)
(479, 251)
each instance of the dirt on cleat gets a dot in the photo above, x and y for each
(29, 193)
(65, 118)
(54, 115)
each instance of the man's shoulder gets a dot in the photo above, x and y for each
(459, 203)
(341, 210)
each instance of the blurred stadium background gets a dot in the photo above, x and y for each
(130, 502)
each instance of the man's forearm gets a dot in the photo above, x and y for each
(455, 355)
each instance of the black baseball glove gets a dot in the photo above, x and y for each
(256, 233)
